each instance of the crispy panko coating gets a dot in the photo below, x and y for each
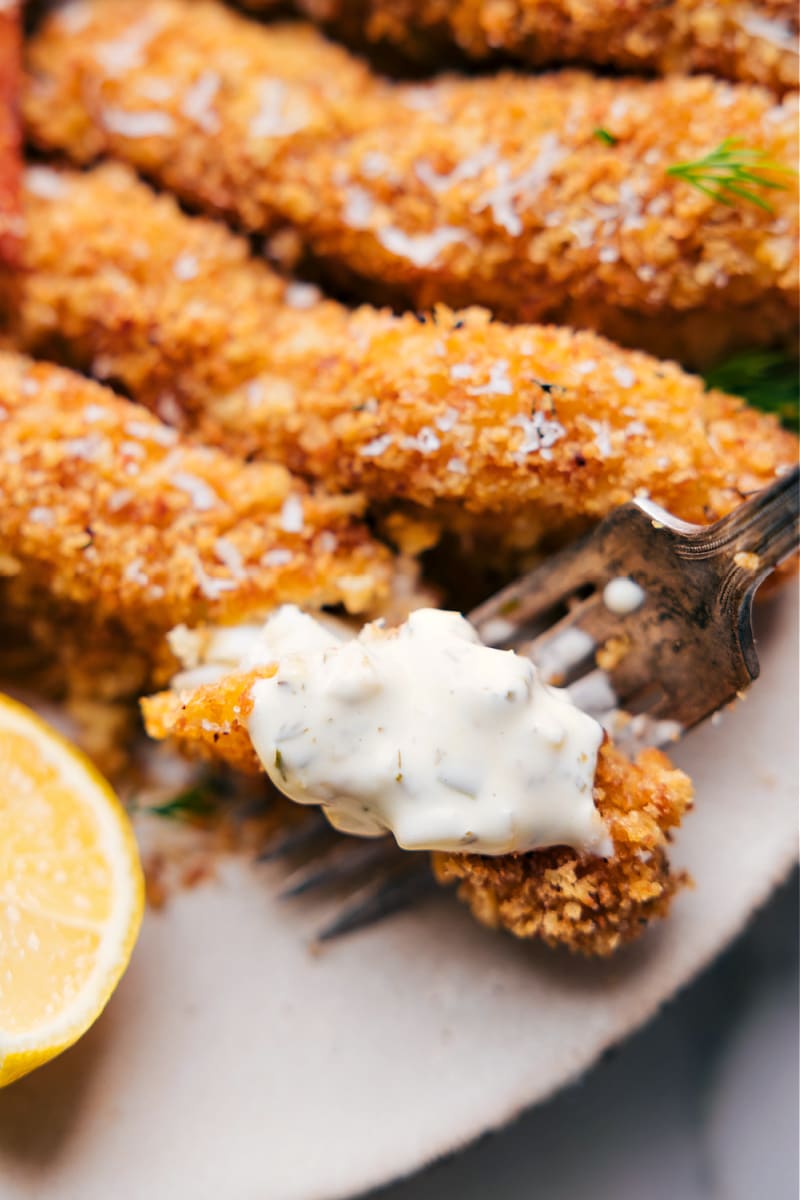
(209, 721)
(592, 905)
(755, 42)
(536, 429)
(494, 191)
(109, 518)
(586, 903)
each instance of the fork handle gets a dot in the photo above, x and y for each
(766, 527)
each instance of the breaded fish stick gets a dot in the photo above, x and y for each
(537, 430)
(107, 514)
(592, 905)
(755, 41)
(542, 198)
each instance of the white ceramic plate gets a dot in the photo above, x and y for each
(234, 1064)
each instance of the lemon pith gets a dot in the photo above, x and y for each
(71, 892)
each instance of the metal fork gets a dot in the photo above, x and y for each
(685, 652)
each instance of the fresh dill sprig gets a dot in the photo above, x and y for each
(603, 135)
(733, 170)
(767, 379)
(195, 803)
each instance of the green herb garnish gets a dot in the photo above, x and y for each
(604, 136)
(193, 803)
(733, 170)
(279, 764)
(767, 379)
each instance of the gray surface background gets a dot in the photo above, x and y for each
(700, 1105)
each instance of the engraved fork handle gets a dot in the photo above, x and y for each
(766, 527)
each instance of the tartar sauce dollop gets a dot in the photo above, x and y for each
(424, 732)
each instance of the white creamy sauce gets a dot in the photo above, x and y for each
(557, 656)
(622, 596)
(424, 732)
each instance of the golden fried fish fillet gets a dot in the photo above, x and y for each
(500, 191)
(117, 528)
(755, 41)
(536, 430)
(589, 904)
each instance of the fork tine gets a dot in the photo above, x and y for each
(382, 898)
(683, 649)
(500, 618)
(253, 806)
(303, 837)
(345, 863)
(565, 650)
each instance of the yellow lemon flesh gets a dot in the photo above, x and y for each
(71, 892)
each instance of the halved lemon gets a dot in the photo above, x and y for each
(71, 892)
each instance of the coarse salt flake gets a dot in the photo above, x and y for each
(602, 436)
(302, 295)
(376, 447)
(45, 183)
(425, 441)
(229, 556)
(126, 53)
(539, 432)
(358, 207)
(201, 494)
(421, 249)
(137, 124)
(210, 586)
(134, 574)
(88, 448)
(457, 466)
(185, 267)
(279, 113)
(624, 376)
(162, 435)
(276, 558)
(291, 518)
(198, 100)
(447, 420)
(40, 514)
(499, 383)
